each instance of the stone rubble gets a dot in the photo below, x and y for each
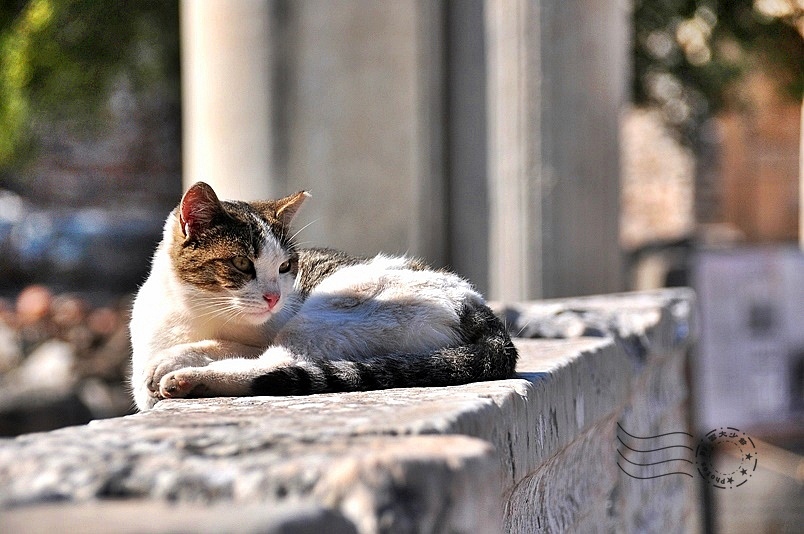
(62, 361)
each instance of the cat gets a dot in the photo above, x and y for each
(232, 307)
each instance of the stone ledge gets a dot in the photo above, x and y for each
(136, 517)
(471, 458)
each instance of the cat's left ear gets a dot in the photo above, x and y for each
(286, 208)
(198, 207)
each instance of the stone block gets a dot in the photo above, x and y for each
(532, 453)
(136, 517)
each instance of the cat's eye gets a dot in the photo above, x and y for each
(243, 264)
(285, 267)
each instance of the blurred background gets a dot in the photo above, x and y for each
(542, 149)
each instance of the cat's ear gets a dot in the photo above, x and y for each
(286, 208)
(198, 207)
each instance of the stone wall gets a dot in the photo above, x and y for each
(534, 453)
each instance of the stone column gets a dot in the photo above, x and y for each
(466, 149)
(801, 181)
(226, 84)
(514, 149)
(557, 78)
(360, 99)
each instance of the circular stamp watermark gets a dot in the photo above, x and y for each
(726, 457)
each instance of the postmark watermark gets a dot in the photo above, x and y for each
(724, 457)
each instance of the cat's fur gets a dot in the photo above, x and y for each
(233, 308)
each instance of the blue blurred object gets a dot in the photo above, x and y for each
(91, 248)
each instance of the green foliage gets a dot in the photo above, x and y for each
(60, 58)
(688, 53)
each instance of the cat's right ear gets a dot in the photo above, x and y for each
(286, 208)
(198, 207)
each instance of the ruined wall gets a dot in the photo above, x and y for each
(534, 453)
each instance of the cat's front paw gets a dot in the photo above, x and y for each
(174, 363)
(183, 383)
(144, 398)
(146, 381)
(223, 378)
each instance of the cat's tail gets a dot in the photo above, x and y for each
(487, 354)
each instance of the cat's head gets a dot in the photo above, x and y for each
(237, 258)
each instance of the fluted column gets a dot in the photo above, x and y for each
(226, 85)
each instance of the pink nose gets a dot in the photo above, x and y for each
(271, 299)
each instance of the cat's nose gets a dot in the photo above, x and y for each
(271, 299)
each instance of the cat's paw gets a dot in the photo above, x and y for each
(222, 378)
(143, 398)
(146, 381)
(174, 362)
(183, 383)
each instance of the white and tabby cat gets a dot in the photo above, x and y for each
(233, 308)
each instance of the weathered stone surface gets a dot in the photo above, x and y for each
(24, 408)
(634, 317)
(136, 517)
(533, 453)
(380, 482)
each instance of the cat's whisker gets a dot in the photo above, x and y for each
(524, 327)
(215, 314)
(236, 315)
(208, 306)
(213, 307)
(230, 308)
(197, 301)
(297, 232)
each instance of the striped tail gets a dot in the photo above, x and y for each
(488, 354)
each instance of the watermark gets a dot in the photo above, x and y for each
(725, 457)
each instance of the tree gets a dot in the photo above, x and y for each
(60, 58)
(687, 54)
